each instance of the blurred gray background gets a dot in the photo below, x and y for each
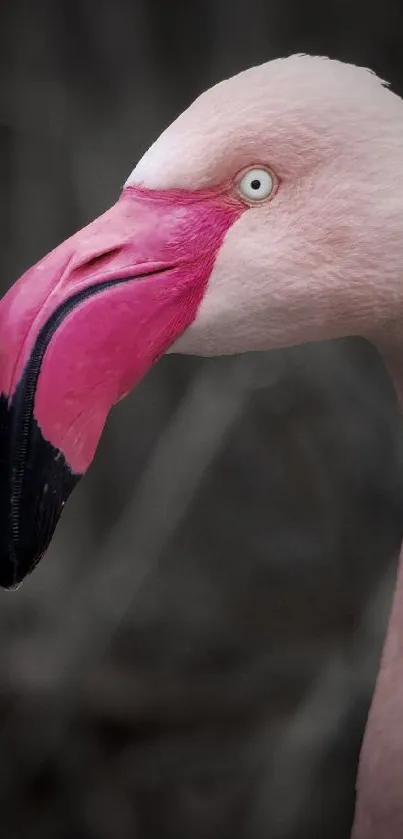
(195, 656)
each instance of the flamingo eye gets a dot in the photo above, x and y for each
(256, 184)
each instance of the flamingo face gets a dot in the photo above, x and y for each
(257, 220)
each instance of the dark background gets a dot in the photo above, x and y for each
(195, 657)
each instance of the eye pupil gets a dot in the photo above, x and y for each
(255, 184)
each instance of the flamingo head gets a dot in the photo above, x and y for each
(268, 214)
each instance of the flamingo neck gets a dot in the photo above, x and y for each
(379, 809)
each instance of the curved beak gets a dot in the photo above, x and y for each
(77, 332)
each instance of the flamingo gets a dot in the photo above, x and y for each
(267, 215)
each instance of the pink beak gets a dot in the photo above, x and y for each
(77, 332)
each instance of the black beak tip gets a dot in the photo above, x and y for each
(33, 491)
(15, 566)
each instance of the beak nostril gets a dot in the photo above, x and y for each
(99, 260)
